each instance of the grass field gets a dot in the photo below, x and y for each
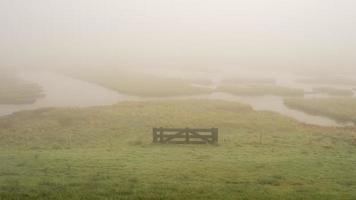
(106, 153)
(341, 109)
(333, 91)
(260, 90)
(16, 91)
(140, 84)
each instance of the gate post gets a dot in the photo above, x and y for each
(187, 132)
(215, 133)
(161, 139)
(155, 135)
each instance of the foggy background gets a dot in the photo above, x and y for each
(303, 36)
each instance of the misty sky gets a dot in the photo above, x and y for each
(261, 34)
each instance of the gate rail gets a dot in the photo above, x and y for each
(185, 136)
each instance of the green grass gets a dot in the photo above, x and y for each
(106, 153)
(333, 91)
(341, 109)
(139, 84)
(260, 90)
(16, 91)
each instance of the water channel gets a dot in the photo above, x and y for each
(64, 91)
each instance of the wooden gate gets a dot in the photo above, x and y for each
(185, 136)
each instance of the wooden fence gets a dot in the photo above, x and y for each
(185, 136)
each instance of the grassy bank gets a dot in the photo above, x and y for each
(13, 90)
(106, 153)
(146, 85)
(333, 91)
(328, 80)
(260, 90)
(249, 81)
(139, 84)
(341, 109)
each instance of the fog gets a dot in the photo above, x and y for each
(177, 99)
(300, 36)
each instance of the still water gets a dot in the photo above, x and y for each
(64, 91)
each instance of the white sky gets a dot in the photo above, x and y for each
(263, 34)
